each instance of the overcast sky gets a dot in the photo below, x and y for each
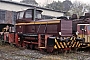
(45, 1)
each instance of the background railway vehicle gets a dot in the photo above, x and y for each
(81, 27)
(7, 25)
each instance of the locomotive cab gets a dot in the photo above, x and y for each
(28, 15)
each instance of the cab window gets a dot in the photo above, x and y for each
(18, 15)
(38, 15)
(21, 15)
(28, 14)
(82, 27)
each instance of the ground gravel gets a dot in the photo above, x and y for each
(8, 52)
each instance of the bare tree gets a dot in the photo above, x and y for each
(55, 5)
(66, 5)
(87, 8)
(78, 8)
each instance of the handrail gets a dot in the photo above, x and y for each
(39, 28)
(45, 27)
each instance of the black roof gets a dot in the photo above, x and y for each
(2, 25)
(5, 24)
(16, 3)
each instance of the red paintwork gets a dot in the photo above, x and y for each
(11, 37)
(87, 32)
(16, 39)
(24, 20)
(65, 27)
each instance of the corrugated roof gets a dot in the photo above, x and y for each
(23, 4)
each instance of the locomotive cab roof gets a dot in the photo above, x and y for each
(36, 10)
(32, 9)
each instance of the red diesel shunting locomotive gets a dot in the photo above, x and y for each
(43, 34)
(50, 34)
